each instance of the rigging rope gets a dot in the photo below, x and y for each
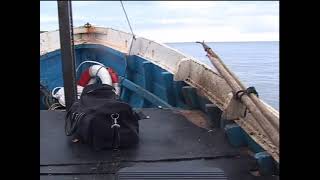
(133, 38)
(124, 10)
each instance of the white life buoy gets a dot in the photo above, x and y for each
(107, 76)
(102, 73)
(60, 94)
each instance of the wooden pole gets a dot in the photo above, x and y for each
(266, 111)
(267, 120)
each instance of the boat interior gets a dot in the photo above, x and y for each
(183, 134)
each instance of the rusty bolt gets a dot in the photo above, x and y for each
(87, 25)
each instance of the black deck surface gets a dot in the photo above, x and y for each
(166, 138)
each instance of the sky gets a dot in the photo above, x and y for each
(176, 21)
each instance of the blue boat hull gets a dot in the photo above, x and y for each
(143, 84)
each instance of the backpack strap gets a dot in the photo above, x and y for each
(116, 138)
(116, 133)
(73, 116)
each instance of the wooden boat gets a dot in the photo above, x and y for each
(197, 121)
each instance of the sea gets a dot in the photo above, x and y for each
(254, 63)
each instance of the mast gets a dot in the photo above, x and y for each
(67, 51)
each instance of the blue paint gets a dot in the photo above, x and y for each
(140, 71)
(152, 78)
(265, 163)
(170, 96)
(235, 135)
(51, 72)
(145, 94)
(147, 80)
(177, 88)
(238, 137)
(252, 145)
(42, 106)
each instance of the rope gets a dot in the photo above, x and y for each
(88, 61)
(55, 106)
(53, 94)
(124, 10)
(133, 38)
(99, 70)
(47, 99)
(248, 91)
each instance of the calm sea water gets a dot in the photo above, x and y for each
(254, 63)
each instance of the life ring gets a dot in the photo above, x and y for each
(58, 93)
(115, 80)
(106, 74)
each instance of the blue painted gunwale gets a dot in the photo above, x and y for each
(141, 72)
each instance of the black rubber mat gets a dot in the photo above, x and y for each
(78, 177)
(165, 136)
(170, 172)
(235, 168)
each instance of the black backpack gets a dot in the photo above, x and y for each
(101, 120)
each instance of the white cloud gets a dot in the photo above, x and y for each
(48, 19)
(187, 4)
(83, 3)
(252, 24)
(187, 21)
(175, 21)
(209, 34)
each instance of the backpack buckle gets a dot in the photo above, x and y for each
(115, 117)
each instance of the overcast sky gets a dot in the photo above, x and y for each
(176, 21)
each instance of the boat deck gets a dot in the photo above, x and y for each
(167, 139)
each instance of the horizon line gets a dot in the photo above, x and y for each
(224, 41)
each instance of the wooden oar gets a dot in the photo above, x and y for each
(264, 117)
(266, 110)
